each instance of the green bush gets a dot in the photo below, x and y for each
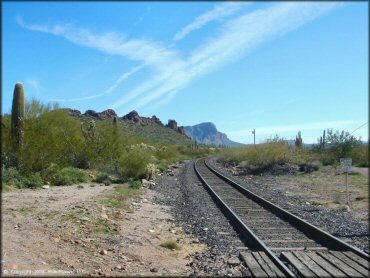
(11, 177)
(70, 175)
(360, 156)
(133, 163)
(101, 178)
(32, 181)
(135, 184)
(258, 157)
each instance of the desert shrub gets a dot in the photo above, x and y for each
(53, 137)
(310, 166)
(69, 175)
(360, 155)
(170, 244)
(133, 163)
(136, 184)
(329, 158)
(32, 181)
(101, 178)
(151, 170)
(11, 177)
(49, 174)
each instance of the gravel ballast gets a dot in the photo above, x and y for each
(194, 209)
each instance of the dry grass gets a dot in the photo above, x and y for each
(170, 244)
(327, 187)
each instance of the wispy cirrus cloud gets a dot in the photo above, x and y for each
(35, 85)
(152, 53)
(219, 11)
(235, 38)
(111, 88)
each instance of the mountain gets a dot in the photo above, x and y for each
(150, 129)
(207, 133)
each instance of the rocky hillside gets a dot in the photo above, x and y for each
(151, 129)
(207, 133)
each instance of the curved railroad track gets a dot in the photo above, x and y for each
(284, 244)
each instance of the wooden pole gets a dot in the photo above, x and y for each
(347, 193)
(254, 136)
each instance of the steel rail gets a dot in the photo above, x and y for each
(244, 229)
(318, 234)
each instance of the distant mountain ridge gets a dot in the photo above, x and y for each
(207, 133)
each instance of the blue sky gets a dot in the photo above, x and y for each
(278, 67)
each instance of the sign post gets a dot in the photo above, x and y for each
(346, 164)
(254, 136)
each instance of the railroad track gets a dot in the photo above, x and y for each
(283, 244)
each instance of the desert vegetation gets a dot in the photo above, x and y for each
(331, 147)
(42, 143)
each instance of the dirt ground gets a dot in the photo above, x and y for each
(327, 187)
(69, 230)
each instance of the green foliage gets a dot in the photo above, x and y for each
(102, 178)
(341, 143)
(69, 176)
(298, 140)
(259, 156)
(151, 170)
(11, 177)
(32, 181)
(18, 117)
(134, 162)
(135, 184)
(360, 155)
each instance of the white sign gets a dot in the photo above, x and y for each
(346, 164)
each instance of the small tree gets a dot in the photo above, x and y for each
(341, 143)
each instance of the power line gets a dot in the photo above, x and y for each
(359, 127)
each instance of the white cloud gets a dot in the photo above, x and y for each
(219, 11)
(150, 52)
(141, 18)
(236, 38)
(123, 77)
(34, 84)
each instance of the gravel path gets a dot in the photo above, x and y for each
(338, 223)
(194, 209)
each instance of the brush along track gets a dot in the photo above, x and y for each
(285, 244)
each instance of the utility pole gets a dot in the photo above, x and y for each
(254, 136)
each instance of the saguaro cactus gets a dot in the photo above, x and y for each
(18, 114)
(298, 140)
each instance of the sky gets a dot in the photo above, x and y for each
(276, 67)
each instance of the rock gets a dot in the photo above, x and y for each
(151, 231)
(195, 240)
(72, 112)
(84, 219)
(107, 114)
(104, 216)
(233, 261)
(153, 269)
(103, 252)
(91, 113)
(119, 267)
(45, 186)
(172, 124)
(205, 229)
(77, 241)
(346, 208)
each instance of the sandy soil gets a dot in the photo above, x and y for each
(67, 231)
